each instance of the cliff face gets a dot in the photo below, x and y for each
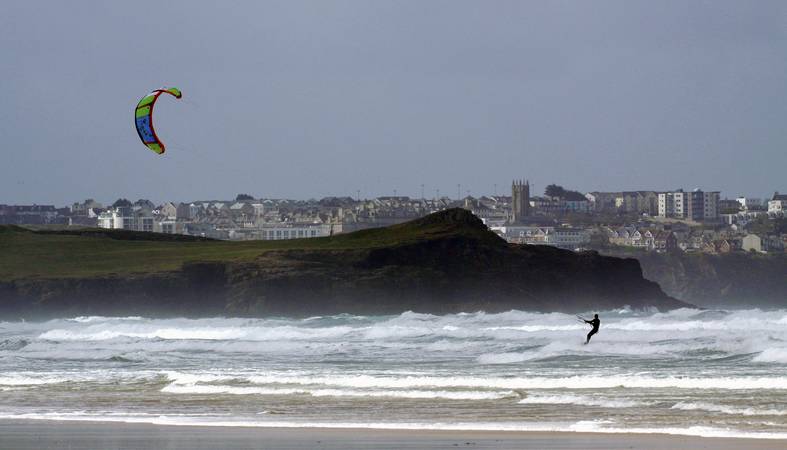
(732, 280)
(446, 262)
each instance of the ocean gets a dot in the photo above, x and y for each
(687, 371)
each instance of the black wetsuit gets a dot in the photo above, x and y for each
(595, 322)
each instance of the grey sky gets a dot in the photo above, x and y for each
(307, 99)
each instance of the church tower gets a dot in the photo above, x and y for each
(520, 200)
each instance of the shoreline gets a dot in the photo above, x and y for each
(78, 434)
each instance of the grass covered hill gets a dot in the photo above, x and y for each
(445, 262)
(90, 252)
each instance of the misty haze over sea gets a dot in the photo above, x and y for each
(687, 371)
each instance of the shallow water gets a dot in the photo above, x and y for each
(711, 373)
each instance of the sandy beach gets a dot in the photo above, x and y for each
(39, 435)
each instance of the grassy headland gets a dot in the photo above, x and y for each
(88, 252)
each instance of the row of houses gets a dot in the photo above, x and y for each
(30, 214)
(647, 239)
(706, 241)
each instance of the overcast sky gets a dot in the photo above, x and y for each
(309, 99)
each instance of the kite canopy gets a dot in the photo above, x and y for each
(144, 118)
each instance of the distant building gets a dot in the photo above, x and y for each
(188, 211)
(726, 206)
(747, 203)
(520, 200)
(638, 202)
(562, 237)
(580, 206)
(778, 204)
(710, 205)
(123, 218)
(84, 208)
(695, 205)
(671, 204)
(276, 232)
(752, 242)
(111, 219)
(665, 241)
(168, 209)
(169, 225)
(602, 201)
(741, 218)
(28, 214)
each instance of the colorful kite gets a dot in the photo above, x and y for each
(144, 118)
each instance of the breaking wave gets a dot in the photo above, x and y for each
(586, 400)
(702, 406)
(411, 394)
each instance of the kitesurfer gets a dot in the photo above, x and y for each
(595, 323)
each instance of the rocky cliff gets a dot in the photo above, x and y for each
(729, 280)
(446, 262)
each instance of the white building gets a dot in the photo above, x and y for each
(568, 238)
(562, 237)
(275, 232)
(114, 219)
(517, 233)
(111, 219)
(752, 242)
(672, 204)
(741, 218)
(748, 202)
(778, 204)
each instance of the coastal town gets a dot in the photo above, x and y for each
(647, 221)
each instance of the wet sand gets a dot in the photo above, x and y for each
(40, 435)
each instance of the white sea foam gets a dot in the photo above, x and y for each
(98, 376)
(406, 381)
(567, 399)
(536, 328)
(725, 409)
(772, 355)
(88, 319)
(409, 394)
(30, 380)
(515, 383)
(109, 331)
(504, 358)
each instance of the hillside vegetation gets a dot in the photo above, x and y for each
(26, 253)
